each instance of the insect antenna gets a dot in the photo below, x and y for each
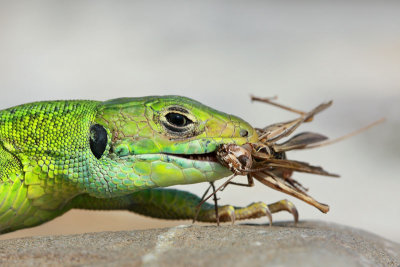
(329, 142)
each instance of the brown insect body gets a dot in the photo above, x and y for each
(237, 158)
(266, 159)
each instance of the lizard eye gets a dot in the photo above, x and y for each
(98, 140)
(177, 119)
(178, 122)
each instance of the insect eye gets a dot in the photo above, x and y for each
(98, 140)
(244, 160)
(177, 119)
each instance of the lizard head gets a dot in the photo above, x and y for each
(165, 140)
(119, 146)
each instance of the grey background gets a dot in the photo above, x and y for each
(219, 53)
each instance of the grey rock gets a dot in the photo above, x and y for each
(307, 244)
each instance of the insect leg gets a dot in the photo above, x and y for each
(201, 200)
(250, 183)
(215, 202)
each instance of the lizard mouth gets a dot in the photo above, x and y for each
(210, 157)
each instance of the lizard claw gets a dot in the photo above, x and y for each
(285, 205)
(227, 213)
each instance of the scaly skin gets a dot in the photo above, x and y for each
(47, 166)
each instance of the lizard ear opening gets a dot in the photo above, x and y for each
(98, 140)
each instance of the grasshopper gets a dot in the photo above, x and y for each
(266, 159)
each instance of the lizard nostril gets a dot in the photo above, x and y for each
(243, 133)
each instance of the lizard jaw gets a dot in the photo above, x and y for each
(172, 169)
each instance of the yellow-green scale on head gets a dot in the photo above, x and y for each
(59, 149)
(154, 133)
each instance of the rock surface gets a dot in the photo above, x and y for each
(307, 244)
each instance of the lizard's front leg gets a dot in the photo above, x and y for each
(177, 205)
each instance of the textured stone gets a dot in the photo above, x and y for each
(307, 244)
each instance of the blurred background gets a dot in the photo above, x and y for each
(219, 53)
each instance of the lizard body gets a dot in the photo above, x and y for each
(117, 154)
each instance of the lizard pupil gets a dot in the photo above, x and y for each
(177, 119)
(98, 140)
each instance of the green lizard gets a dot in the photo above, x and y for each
(115, 155)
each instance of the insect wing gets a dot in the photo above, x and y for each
(280, 185)
(300, 141)
(298, 166)
(291, 126)
(275, 130)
